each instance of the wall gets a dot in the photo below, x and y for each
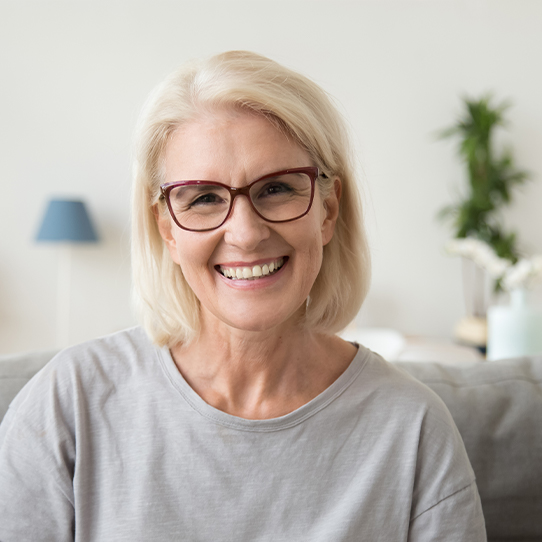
(75, 74)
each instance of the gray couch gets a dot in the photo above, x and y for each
(497, 407)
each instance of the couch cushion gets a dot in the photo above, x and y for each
(497, 406)
(16, 370)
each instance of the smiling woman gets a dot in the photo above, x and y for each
(235, 412)
(208, 96)
(250, 231)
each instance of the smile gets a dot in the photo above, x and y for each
(252, 273)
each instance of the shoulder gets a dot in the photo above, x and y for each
(58, 417)
(123, 348)
(387, 384)
(94, 365)
(414, 423)
(126, 347)
(403, 400)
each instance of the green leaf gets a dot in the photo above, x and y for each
(492, 176)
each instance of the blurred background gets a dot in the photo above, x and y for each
(75, 74)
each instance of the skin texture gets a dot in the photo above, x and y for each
(252, 358)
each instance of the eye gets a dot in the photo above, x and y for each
(207, 199)
(274, 188)
(186, 197)
(277, 188)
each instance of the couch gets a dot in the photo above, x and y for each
(497, 407)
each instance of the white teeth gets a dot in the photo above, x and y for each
(246, 273)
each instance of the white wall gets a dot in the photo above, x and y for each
(75, 73)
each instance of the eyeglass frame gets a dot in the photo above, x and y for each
(311, 171)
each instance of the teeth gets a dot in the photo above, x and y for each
(246, 273)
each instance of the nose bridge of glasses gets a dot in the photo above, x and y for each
(242, 191)
(239, 191)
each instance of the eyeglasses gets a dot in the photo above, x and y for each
(281, 196)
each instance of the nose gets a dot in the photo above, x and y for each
(244, 228)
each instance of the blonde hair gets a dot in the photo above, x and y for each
(166, 304)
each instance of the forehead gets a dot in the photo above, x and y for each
(230, 146)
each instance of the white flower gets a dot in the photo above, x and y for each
(481, 254)
(524, 274)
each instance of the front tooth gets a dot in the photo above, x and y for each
(256, 271)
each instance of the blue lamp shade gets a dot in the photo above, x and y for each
(67, 220)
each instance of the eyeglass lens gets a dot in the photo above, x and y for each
(205, 206)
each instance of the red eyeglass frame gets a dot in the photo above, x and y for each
(312, 172)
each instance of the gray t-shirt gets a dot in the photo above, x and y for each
(109, 443)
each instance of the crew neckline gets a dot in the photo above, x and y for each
(266, 425)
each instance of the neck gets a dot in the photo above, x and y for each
(259, 375)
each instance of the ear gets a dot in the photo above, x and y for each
(331, 211)
(163, 222)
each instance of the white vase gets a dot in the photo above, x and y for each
(514, 330)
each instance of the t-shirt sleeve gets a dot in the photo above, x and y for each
(445, 505)
(37, 450)
(457, 518)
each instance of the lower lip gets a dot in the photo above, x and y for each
(264, 282)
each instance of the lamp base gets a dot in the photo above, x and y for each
(63, 296)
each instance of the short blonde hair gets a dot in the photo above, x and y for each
(239, 79)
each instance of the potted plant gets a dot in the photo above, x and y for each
(478, 213)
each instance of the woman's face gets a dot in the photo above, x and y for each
(236, 148)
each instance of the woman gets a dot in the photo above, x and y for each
(237, 414)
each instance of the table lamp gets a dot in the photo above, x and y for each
(65, 222)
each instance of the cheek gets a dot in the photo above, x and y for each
(192, 253)
(312, 249)
(316, 257)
